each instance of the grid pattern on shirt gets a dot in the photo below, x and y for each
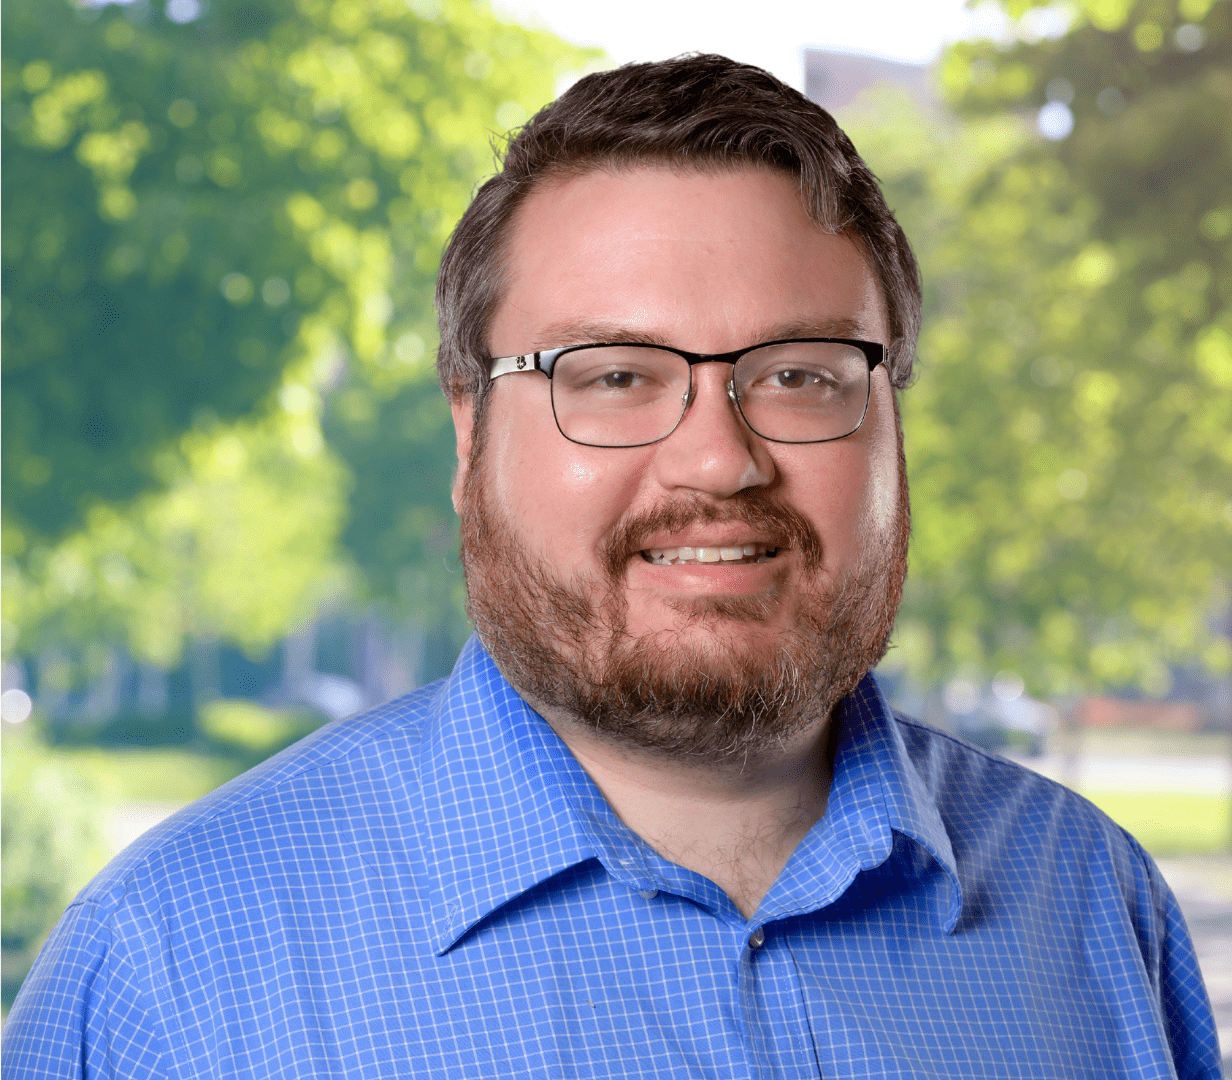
(437, 889)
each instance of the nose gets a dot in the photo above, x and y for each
(713, 451)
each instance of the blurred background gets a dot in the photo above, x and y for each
(226, 461)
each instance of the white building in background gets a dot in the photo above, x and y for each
(835, 79)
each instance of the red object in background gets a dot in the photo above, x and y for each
(1107, 712)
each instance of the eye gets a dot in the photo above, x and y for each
(618, 380)
(801, 379)
(792, 379)
(625, 373)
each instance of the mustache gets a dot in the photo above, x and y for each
(779, 525)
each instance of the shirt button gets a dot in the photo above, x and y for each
(757, 938)
(647, 894)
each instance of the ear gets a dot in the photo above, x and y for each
(463, 409)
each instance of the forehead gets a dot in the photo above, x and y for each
(705, 261)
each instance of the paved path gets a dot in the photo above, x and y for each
(124, 823)
(1138, 772)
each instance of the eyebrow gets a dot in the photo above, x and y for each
(596, 331)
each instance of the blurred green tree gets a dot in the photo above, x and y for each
(222, 229)
(1070, 433)
(51, 841)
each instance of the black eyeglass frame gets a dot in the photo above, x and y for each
(545, 361)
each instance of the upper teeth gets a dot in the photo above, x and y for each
(758, 552)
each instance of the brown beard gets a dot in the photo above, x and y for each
(567, 644)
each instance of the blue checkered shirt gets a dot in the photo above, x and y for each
(437, 889)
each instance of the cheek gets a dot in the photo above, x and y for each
(834, 489)
(555, 493)
(884, 466)
(872, 498)
(848, 488)
(856, 491)
(581, 477)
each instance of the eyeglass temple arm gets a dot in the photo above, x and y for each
(507, 365)
(544, 361)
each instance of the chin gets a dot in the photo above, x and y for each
(751, 617)
(716, 650)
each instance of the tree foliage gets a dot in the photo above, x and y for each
(50, 840)
(221, 237)
(1070, 432)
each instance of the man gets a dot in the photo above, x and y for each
(660, 820)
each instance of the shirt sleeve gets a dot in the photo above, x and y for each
(83, 1011)
(1187, 1014)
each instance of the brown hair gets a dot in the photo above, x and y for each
(698, 112)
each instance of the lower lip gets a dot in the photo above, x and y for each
(708, 578)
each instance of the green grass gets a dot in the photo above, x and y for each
(151, 775)
(141, 774)
(1147, 741)
(99, 778)
(232, 736)
(1171, 824)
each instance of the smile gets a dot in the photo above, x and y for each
(693, 556)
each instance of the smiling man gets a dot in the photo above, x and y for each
(707, 546)
(660, 821)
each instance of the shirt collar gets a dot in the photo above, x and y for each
(492, 828)
(877, 791)
(506, 806)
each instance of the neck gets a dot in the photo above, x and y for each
(735, 822)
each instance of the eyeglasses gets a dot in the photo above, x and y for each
(805, 390)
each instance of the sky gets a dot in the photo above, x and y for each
(772, 34)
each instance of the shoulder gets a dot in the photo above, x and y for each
(273, 864)
(343, 780)
(998, 807)
(954, 769)
(1061, 888)
(1023, 842)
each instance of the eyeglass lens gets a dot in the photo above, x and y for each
(629, 395)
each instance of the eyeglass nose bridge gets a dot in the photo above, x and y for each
(687, 398)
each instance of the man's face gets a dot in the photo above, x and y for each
(555, 534)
